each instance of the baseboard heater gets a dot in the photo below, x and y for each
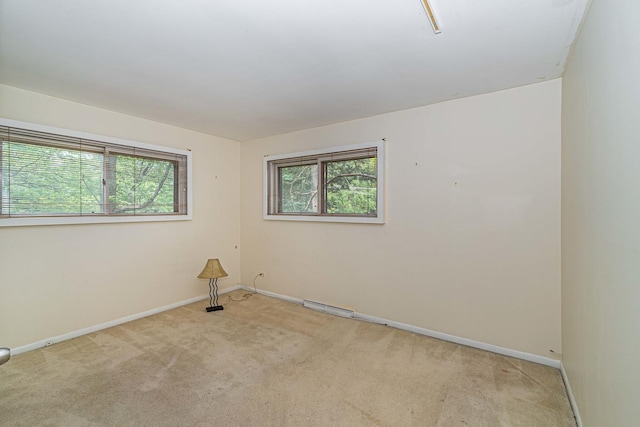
(329, 309)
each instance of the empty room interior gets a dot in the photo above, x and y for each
(320, 213)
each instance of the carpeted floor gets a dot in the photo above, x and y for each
(266, 362)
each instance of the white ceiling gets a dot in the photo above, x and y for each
(246, 69)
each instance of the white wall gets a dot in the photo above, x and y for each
(601, 215)
(479, 259)
(58, 279)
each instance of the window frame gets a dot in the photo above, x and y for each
(271, 163)
(126, 146)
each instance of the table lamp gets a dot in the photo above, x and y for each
(212, 270)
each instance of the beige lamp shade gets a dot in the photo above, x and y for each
(212, 270)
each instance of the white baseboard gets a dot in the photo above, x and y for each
(446, 337)
(53, 340)
(434, 334)
(464, 341)
(274, 295)
(572, 400)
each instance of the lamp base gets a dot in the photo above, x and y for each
(215, 308)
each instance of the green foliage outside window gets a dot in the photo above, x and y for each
(298, 189)
(141, 185)
(351, 186)
(40, 180)
(49, 180)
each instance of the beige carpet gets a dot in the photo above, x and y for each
(265, 362)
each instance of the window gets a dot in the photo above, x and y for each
(342, 184)
(53, 176)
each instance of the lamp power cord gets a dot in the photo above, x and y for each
(247, 295)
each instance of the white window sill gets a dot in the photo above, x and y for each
(325, 218)
(21, 222)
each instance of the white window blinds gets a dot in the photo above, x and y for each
(45, 174)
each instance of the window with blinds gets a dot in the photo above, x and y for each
(46, 174)
(341, 184)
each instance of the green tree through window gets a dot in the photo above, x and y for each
(51, 175)
(351, 186)
(298, 188)
(332, 184)
(141, 185)
(43, 180)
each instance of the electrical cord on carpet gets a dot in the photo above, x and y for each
(245, 296)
